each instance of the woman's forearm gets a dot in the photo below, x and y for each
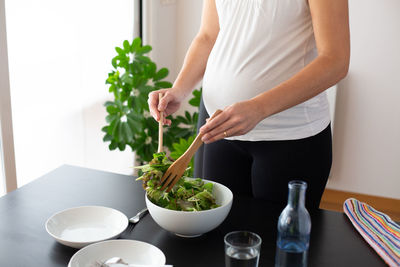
(316, 77)
(194, 64)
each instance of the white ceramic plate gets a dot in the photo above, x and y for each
(81, 226)
(130, 251)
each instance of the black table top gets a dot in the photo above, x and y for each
(25, 242)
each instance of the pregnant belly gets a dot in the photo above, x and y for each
(224, 88)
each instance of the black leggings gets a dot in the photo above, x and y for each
(262, 169)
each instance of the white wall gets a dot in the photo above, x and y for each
(367, 131)
(367, 111)
(170, 26)
(188, 24)
(189, 18)
(59, 56)
(160, 31)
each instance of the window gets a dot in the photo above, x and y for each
(59, 55)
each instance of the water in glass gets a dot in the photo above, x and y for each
(241, 258)
(242, 249)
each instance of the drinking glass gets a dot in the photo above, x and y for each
(242, 249)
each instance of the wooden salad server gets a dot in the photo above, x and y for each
(176, 170)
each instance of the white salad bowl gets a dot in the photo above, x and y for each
(193, 223)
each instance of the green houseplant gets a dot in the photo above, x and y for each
(133, 77)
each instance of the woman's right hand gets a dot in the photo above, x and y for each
(170, 103)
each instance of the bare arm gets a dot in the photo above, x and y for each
(193, 67)
(331, 29)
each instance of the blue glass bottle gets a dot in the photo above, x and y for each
(294, 227)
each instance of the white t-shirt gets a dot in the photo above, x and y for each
(262, 43)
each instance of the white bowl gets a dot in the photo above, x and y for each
(193, 223)
(81, 226)
(130, 251)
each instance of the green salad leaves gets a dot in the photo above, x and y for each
(188, 194)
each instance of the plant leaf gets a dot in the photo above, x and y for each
(107, 137)
(112, 88)
(136, 44)
(112, 109)
(114, 129)
(126, 132)
(195, 100)
(136, 67)
(163, 84)
(161, 74)
(150, 69)
(135, 126)
(104, 129)
(126, 78)
(143, 59)
(121, 146)
(113, 145)
(136, 81)
(143, 50)
(127, 47)
(109, 103)
(111, 118)
(188, 117)
(119, 50)
(114, 62)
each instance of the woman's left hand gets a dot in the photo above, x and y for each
(237, 119)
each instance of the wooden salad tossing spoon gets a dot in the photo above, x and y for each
(160, 127)
(176, 170)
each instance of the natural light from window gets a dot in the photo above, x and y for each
(59, 56)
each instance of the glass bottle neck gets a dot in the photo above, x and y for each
(297, 194)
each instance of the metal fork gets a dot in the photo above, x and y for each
(176, 170)
(138, 216)
(135, 219)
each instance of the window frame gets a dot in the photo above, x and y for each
(6, 135)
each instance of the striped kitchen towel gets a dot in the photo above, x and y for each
(376, 228)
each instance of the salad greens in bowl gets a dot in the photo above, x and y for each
(187, 195)
(193, 207)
